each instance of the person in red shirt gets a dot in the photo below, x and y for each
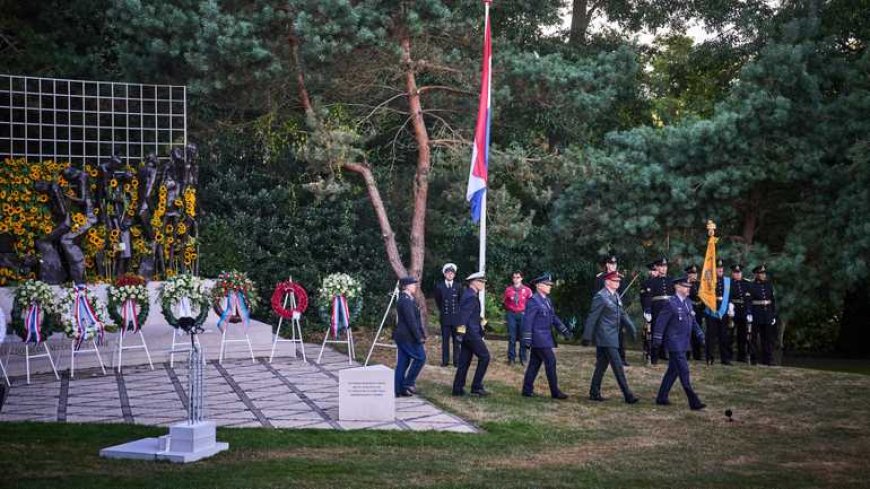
(514, 300)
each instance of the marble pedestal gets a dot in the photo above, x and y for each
(185, 443)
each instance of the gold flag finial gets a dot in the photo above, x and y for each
(711, 227)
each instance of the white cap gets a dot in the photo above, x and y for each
(476, 276)
(449, 265)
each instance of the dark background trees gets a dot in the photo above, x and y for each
(599, 142)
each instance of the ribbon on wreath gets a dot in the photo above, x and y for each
(130, 314)
(340, 318)
(85, 317)
(235, 306)
(32, 322)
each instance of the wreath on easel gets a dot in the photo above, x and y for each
(34, 311)
(283, 289)
(340, 285)
(188, 287)
(129, 303)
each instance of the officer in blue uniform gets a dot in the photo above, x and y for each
(409, 338)
(538, 323)
(674, 325)
(447, 295)
(606, 317)
(719, 321)
(741, 297)
(655, 292)
(764, 313)
(470, 333)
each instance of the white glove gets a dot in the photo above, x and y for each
(730, 310)
(647, 317)
(749, 318)
(773, 322)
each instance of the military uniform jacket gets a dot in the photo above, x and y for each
(447, 300)
(695, 297)
(675, 325)
(741, 297)
(604, 320)
(409, 328)
(469, 313)
(763, 304)
(538, 323)
(654, 293)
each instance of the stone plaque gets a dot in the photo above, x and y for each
(366, 394)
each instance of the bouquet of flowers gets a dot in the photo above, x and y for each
(340, 285)
(33, 311)
(129, 302)
(186, 291)
(82, 315)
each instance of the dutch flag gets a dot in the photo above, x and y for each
(477, 177)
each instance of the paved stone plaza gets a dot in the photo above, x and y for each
(288, 393)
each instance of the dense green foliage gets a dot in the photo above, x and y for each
(599, 143)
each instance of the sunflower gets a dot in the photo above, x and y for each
(79, 219)
(92, 171)
(168, 228)
(113, 183)
(42, 198)
(182, 228)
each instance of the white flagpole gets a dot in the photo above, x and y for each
(482, 250)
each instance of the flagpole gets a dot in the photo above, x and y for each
(482, 249)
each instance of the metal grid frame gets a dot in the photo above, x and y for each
(85, 121)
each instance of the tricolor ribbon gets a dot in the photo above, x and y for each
(130, 314)
(85, 317)
(32, 323)
(340, 315)
(235, 305)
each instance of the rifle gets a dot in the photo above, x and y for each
(647, 343)
(750, 345)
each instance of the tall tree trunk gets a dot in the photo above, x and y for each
(854, 337)
(581, 16)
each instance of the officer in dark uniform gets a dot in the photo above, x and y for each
(646, 305)
(655, 293)
(611, 264)
(470, 333)
(538, 322)
(741, 296)
(674, 325)
(718, 321)
(447, 294)
(763, 309)
(697, 306)
(409, 338)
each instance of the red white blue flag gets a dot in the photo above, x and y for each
(477, 177)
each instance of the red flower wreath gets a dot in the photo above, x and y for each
(285, 288)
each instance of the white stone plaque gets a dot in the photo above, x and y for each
(366, 394)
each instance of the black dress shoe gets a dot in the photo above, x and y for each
(457, 393)
(560, 396)
(632, 400)
(698, 407)
(529, 394)
(597, 398)
(404, 393)
(625, 363)
(480, 392)
(663, 403)
(412, 389)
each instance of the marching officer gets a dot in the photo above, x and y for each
(674, 325)
(611, 264)
(470, 332)
(697, 306)
(606, 317)
(538, 322)
(655, 292)
(447, 294)
(763, 314)
(718, 324)
(409, 337)
(741, 296)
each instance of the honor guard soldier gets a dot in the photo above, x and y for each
(538, 324)
(674, 325)
(447, 295)
(741, 296)
(763, 315)
(611, 264)
(470, 333)
(718, 321)
(606, 317)
(697, 306)
(655, 292)
(646, 305)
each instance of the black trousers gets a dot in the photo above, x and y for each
(448, 332)
(471, 346)
(718, 335)
(537, 357)
(743, 346)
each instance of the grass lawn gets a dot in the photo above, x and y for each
(792, 428)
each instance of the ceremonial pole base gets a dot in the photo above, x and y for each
(185, 443)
